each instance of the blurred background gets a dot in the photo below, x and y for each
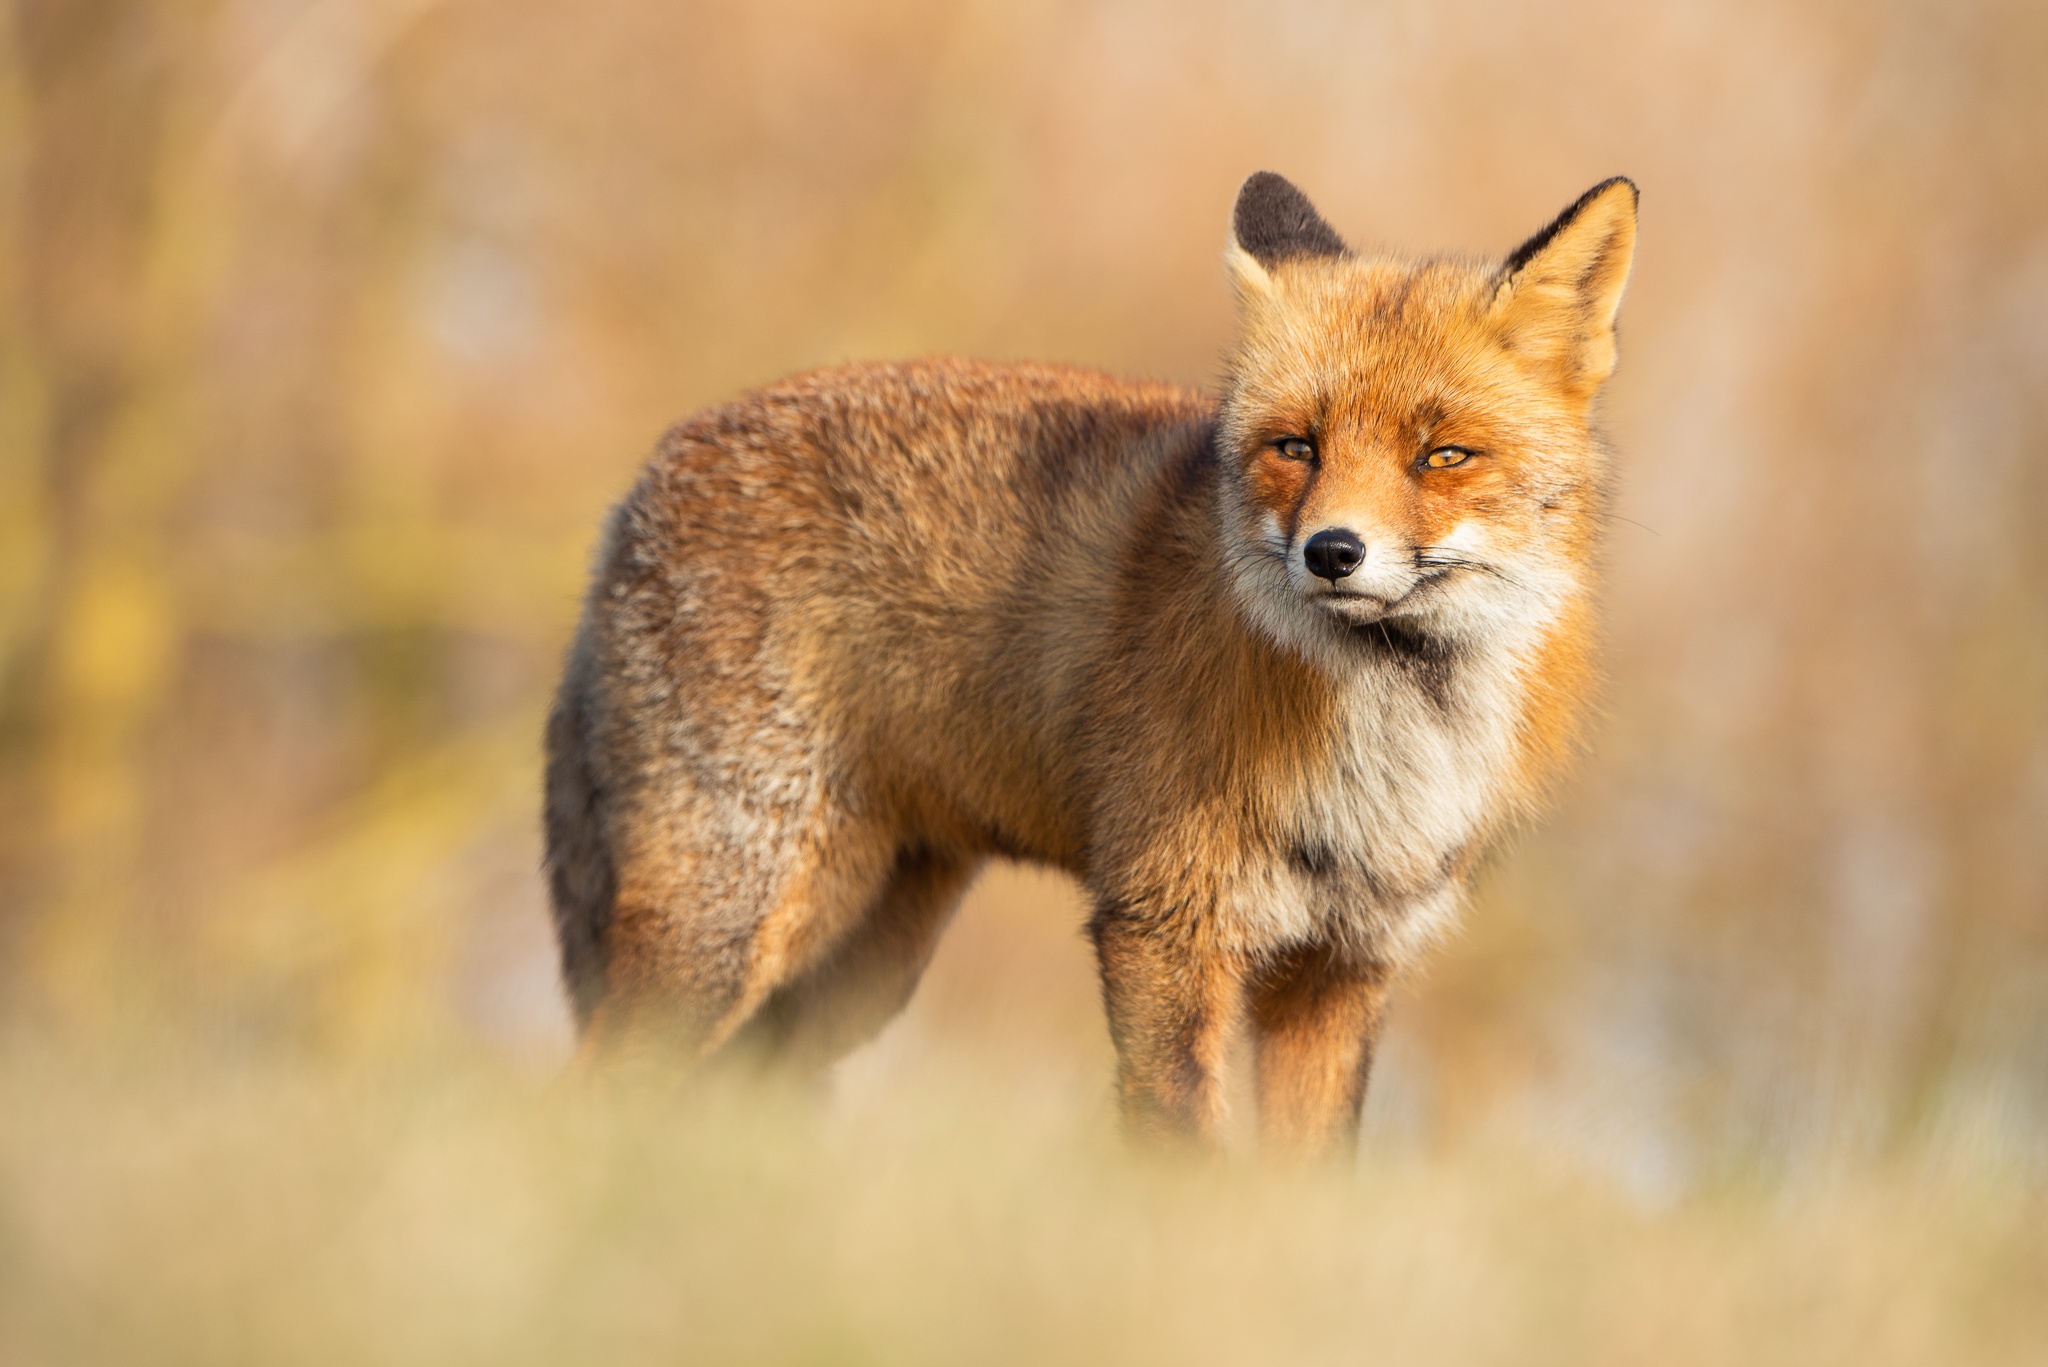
(330, 328)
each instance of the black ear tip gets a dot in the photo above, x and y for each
(1522, 255)
(1274, 220)
(1635, 192)
(1266, 195)
(1599, 192)
(1261, 183)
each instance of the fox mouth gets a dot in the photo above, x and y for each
(1363, 609)
(1357, 608)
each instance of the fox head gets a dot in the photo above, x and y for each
(1406, 446)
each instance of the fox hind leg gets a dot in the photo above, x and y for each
(852, 991)
(712, 916)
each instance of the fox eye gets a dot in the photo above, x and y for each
(1445, 456)
(1296, 448)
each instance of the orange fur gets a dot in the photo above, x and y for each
(859, 631)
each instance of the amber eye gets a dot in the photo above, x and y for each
(1445, 456)
(1296, 448)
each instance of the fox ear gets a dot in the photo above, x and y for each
(1560, 291)
(1273, 222)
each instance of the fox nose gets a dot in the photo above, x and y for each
(1333, 554)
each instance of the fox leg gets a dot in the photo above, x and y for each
(1173, 1005)
(1314, 1014)
(848, 994)
(703, 929)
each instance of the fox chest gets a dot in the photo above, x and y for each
(1367, 839)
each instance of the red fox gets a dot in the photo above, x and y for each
(1264, 671)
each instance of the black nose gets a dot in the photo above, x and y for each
(1333, 554)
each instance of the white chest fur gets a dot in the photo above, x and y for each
(1369, 839)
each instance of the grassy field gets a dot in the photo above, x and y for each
(959, 1193)
(263, 1211)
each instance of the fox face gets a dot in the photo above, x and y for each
(1406, 447)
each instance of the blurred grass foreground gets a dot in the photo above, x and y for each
(328, 329)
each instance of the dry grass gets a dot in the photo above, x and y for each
(453, 1211)
(960, 1196)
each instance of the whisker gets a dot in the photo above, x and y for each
(1617, 517)
(1440, 557)
(1254, 554)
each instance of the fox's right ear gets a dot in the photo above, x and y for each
(1560, 291)
(1274, 221)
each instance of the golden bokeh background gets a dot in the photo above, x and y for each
(330, 328)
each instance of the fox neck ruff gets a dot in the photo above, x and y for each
(1424, 743)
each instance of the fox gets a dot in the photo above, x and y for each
(1267, 670)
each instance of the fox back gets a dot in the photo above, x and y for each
(1264, 671)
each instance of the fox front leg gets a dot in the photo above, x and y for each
(1315, 1016)
(1173, 1003)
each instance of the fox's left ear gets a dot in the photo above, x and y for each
(1560, 291)
(1273, 222)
